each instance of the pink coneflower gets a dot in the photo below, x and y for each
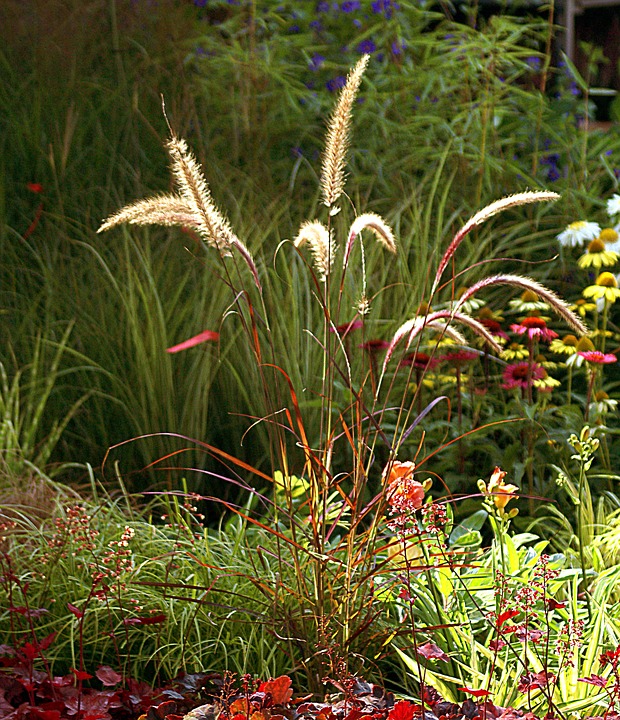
(534, 327)
(346, 328)
(522, 375)
(460, 358)
(598, 358)
(419, 360)
(494, 327)
(373, 346)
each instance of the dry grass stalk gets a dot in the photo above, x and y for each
(333, 174)
(321, 243)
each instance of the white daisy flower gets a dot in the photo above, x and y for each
(578, 232)
(613, 205)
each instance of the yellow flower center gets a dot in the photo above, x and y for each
(529, 296)
(584, 344)
(608, 235)
(596, 246)
(607, 279)
(569, 340)
(577, 225)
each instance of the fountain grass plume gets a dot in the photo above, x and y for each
(379, 227)
(333, 174)
(555, 303)
(483, 215)
(412, 328)
(321, 243)
(192, 207)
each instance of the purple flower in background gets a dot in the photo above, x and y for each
(535, 63)
(316, 61)
(200, 3)
(316, 25)
(398, 47)
(366, 47)
(350, 6)
(336, 83)
(322, 7)
(386, 7)
(552, 160)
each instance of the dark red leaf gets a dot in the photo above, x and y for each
(79, 614)
(475, 693)
(402, 710)
(280, 689)
(554, 604)
(81, 674)
(150, 620)
(430, 651)
(28, 612)
(595, 680)
(47, 641)
(508, 615)
(108, 676)
(534, 681)
(34, 187)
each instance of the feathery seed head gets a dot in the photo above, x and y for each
(379, 227)
(333, 174)
(321, 243)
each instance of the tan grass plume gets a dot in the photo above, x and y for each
(379, 227)
(333, 173)
(321, 243)
(192, 206)
(483, 215)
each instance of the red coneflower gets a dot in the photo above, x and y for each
(598, 358)
(522, 375)
(460, 358)
(494, 327)
(534, 327)
(347, 327)
(374, 346)
(419, 360)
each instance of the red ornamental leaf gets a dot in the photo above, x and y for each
(108, 676)
(280, 689)
(475, 693)
(29, 651)
(151, 620)
(508, 615)
(81, 674)
(595, 680)
(79, 614)
(47, 641)
(196, 340)
(34, 187)
(402, 710)
(430, 651)
(39, 714)
(534, 681)
(554, 604)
